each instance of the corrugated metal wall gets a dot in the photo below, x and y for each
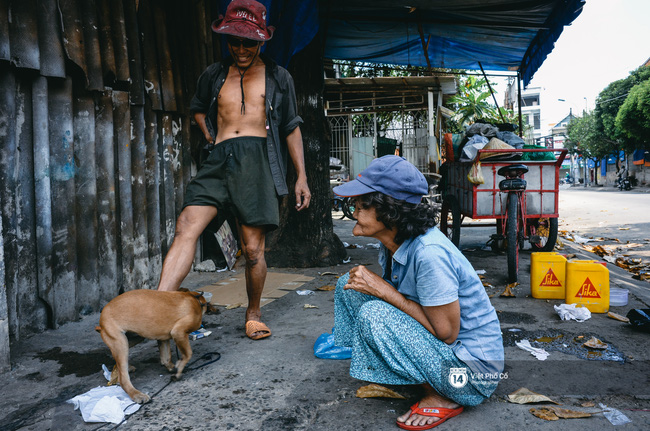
(94, 153)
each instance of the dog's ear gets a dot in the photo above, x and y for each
(183, 289)
(212, 309)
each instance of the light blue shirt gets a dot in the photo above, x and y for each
(431, 271)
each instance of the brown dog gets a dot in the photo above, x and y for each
(154, 315)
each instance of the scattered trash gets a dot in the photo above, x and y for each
(225, 268)
(525, 396)
(595, 343)
(615, 417)
(309, 306)
(537, 352)
(481, 271)
(618, 297)
(377, 391)
(104, 404)
(551, 413)
(508, 292)
(345, 244)
(640, 318)
(304, 292)
(375, 246)
(571, 311)
(347, 260)
(324, 348)
(199, 333)
(514, 330)
(326, 287)
(618, 317)
(623, 228)
(232, 306)
(328, 273)
(353, 246)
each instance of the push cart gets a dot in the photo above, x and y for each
(521, 195)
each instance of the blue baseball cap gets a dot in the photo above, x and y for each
(391, 175)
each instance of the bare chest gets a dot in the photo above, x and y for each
(249, 89)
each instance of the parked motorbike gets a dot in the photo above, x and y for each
(624, 183)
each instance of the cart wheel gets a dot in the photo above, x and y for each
(450, 219)
(512, 234)
(546, 230)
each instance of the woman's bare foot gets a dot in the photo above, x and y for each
(431, 399)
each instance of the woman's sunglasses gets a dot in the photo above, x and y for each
(235, 42)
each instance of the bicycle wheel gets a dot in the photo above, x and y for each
(450, 219)
(348, 208)
(512, 237)
(337, 206)
(546, 230)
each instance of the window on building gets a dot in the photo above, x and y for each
(530, 100)
(537, 121)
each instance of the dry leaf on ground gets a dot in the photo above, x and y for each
(526, 396)
(326, 287)
(595, 343)
(508, 292)
(566, 413)
(547, 415)
(618, 317)
(377, 391)
(231, 306)
(309, 306)
(588, 404)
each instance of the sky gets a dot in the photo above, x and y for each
(608, 40)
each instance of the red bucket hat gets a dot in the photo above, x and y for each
(246, 19)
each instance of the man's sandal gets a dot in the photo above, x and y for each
(436, 412)
(253, 326)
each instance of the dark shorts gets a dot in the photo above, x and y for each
(236, 178)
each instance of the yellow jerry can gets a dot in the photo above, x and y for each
(548, 275)
(587, 283)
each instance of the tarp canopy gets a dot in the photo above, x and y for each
(503, 35)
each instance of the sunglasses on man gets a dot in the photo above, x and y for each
(236, 42)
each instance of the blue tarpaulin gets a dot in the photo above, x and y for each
(502, 35)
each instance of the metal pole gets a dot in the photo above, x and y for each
(521, 126)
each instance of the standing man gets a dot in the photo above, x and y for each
(246, 107)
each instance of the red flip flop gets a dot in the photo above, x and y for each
(436, 412)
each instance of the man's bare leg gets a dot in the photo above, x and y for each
(178, 262)
(252, 243)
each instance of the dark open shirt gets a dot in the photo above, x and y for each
(281, 111)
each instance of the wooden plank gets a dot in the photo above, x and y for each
(73, 37)
(118, 32)
(167, 182)
(91, 45)
(86, 209)
(139, 191)
(176, 159)
(23, 35)
(106, 41)
(152, 177)
(50, 48)
(109, 277)
(151, 77)
(31, 313)
(136, 89)
(164, 58)
(43, 194)
(8, 179)
(62, 171)
(122, 136)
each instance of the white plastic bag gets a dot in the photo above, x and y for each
(475, 175)
(570, 311)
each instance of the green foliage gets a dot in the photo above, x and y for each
(584, 138)
(633, 118)
(472, 103)
(608, 104)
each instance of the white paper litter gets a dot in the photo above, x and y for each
(580, 239)
(345, 244)
(571, 311)
(304, 292)
(615, 417)
(358, 245)
(537, 352)
(481, 271)
(104, 404)
(347, 260)
(375, 245)
(107, 373)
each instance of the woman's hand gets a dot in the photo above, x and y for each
(365, 281)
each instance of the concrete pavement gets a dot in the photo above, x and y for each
(278, 384)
